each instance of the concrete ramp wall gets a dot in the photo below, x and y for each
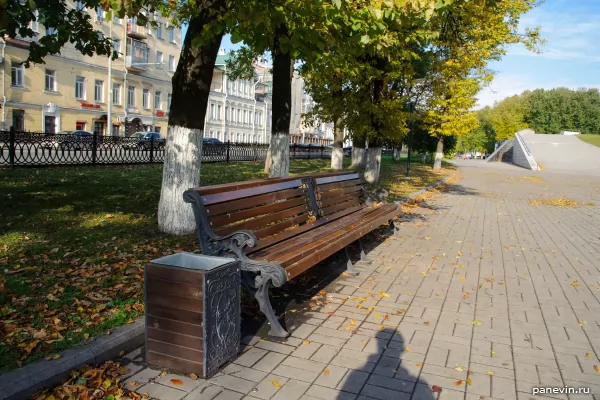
(521, 154)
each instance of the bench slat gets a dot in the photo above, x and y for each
(280, 227)
(338, 185)
(352, 223)
(233, 217)
(340, 199)
(340, 206)
(254, 191)
(257, 223)
(340, 192)
(336, 178)
(289, 245)
(315, 256)
(272, 240)
(236, 205)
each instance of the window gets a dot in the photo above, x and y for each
(99, 91)
(260, 118)
(116, 19)
(33, 24)
(235, 87)
(146, 98)
(245, 116)
(159, 30)
(50, 31)
(131, 96)
(50, 84)
(226, 113)
(171, 63)
(157, 105)
(80, 125)
(99, 14)
(171, 34)
(79, 5)
(212, 112)
(16, 74)
(239, 116)
(115, 130)
(159, 59)
(149, 28)
(116, 95)
(169, 96)
(117, 45)
(246, 85)
(219, 111)
(80, 88)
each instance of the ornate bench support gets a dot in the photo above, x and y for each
(267, 274)
(349, 267)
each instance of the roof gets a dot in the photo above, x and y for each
(222, 59)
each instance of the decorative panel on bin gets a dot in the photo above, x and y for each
(192, 312)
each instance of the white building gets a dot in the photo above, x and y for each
(240, 110)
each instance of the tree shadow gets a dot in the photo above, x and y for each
(389, 371)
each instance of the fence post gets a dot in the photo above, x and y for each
(11, 146)
(94, 147)
(294, 150)
(152, 149)
(322, 147)
(228, 146)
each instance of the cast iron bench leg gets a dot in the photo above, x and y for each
(262, 295)
(266, 274)
(363, 256)
(349, 267)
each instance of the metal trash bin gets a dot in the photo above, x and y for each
(192, 306)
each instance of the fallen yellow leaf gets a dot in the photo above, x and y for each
(177, 382)
(276, 383)
(597, 368)
(462, 278)
(306, 341)
(163, 373)
(575, 283)
(383, 294)
(322, 292)
(409, 349)
(458, 383)
(476, 322)
(588, 356)
(469, 382)
(193, 376)
(326, 372)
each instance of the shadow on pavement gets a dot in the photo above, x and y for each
(391, 373)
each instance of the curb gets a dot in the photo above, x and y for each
(23, 382)
(425, 189)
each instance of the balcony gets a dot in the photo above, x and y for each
(136, 59)
(20, 41)
(136, 64)
(136, 31)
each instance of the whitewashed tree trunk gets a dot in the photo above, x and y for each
(373, 166)
(181, 171)
(358, 157)
(337, 158)
(280, 155)
(397, 153)
(268, 160)
(337, 153)
(439, 154)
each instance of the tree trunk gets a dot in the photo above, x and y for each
(268, 159)
(397, 152)
(183, 149)
(337, 153)
(358, 152)
(283, 70)
(373, 164)
(439, 154)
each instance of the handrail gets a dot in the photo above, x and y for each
(518, 135)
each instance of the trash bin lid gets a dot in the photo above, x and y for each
(193, 261)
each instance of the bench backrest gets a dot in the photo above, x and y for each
(340, 193)
(266, 210)
(276, 209)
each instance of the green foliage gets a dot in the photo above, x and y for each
(508, 117)
(557, 110)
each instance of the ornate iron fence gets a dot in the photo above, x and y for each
(42, 149)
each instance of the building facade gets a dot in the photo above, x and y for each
(72, 91)
(240, 110)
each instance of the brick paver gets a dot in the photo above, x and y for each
(481, 294)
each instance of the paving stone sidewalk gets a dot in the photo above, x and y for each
(481, 296)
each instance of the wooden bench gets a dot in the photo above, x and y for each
(279, 228)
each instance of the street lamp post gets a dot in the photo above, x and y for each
(411, 107)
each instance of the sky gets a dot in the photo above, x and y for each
(570, 58)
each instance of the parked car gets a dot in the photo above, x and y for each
(213, 147)
(143, 140)
(71, 140)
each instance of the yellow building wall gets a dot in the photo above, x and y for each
(33, 99)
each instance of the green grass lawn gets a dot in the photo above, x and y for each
(591, 139)
(74, 240)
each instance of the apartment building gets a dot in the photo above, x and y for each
(72, 91)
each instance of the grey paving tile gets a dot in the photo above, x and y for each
(161, 392)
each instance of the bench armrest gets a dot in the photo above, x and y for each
(212, 244)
